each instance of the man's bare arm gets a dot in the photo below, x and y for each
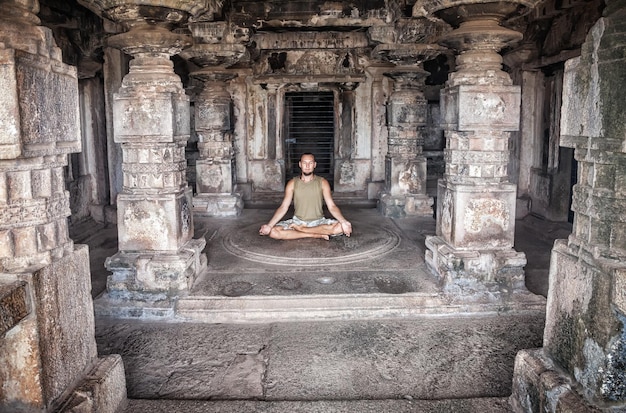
(334, 210)
(280, 211)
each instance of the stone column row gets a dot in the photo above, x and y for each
(47, 344)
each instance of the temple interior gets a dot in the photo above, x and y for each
(476, 146)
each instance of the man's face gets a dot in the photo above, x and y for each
(307, 164)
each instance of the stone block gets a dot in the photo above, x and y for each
(267, 176)
(20, 376)
(214, 176)
(584, 334)
(64, 309)
(102, 390)
(10, 132)
(229, 205)
(24, 241)
(6, 244)
(406, 176)
(475, 217)
(406, 110)
(19, 185)
(157, 117)
(14, 305)
(351, 176)
(468, 108)
(41, 183)
(539, 386)
(139, 219)
(213, 116)
(48, 105)
(150, 276)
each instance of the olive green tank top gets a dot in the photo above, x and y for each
(308, 199)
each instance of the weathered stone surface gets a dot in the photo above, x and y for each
(14, 305)
(471, 108)
(585, 334)
(102, 390)
(40, 113)
(539, 386)
(478, 405)
(343, 360)
(21, 387)
(473, 219)
(168, 215)
(62, 293)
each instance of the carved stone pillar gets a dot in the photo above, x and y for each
(405, 166)
(215, 168)
(473, 249)
(582, 363)
(157, 258)
(214, 51)
(47, 343)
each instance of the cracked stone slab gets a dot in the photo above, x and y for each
(188, 361)
(422, 358)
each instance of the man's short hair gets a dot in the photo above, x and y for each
(307, 154)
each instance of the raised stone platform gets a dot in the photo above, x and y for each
(377, 272)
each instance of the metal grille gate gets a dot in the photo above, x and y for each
(309, 127)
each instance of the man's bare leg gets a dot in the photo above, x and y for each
(325, 229)
(286, 234)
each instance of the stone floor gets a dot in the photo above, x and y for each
(483, 405)
(242, 263)
(347, 325)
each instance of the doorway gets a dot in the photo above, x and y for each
(309, 126)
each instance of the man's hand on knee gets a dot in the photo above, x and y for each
(265, 230)
(346, 227)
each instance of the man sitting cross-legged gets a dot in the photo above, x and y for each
(307, 192)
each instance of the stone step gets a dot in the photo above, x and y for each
(317, 307)
(426, 357)
(263, 309)
(479, 405)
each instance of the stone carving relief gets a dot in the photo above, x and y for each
(486, 211)
(185, 216)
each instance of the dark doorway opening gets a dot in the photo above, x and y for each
(309, 126)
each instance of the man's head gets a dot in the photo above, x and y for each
(307, 164)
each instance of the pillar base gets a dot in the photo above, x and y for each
(401, 206)
(466, 272)
(540, 386)
(150, 276)
(218, 205)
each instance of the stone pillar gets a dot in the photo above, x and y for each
(215, 169)
(47, 347)
(405, 166)
(379, 131)
(582, 364)
(214, 50)
(157, 258)
(473, 249)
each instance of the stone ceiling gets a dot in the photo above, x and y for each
(551, 31)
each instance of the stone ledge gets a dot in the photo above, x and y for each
(14, 305)
(540, 386)
(257, 309)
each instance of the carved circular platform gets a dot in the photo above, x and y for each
(366, 243)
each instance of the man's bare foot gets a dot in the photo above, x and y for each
(296, 227)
